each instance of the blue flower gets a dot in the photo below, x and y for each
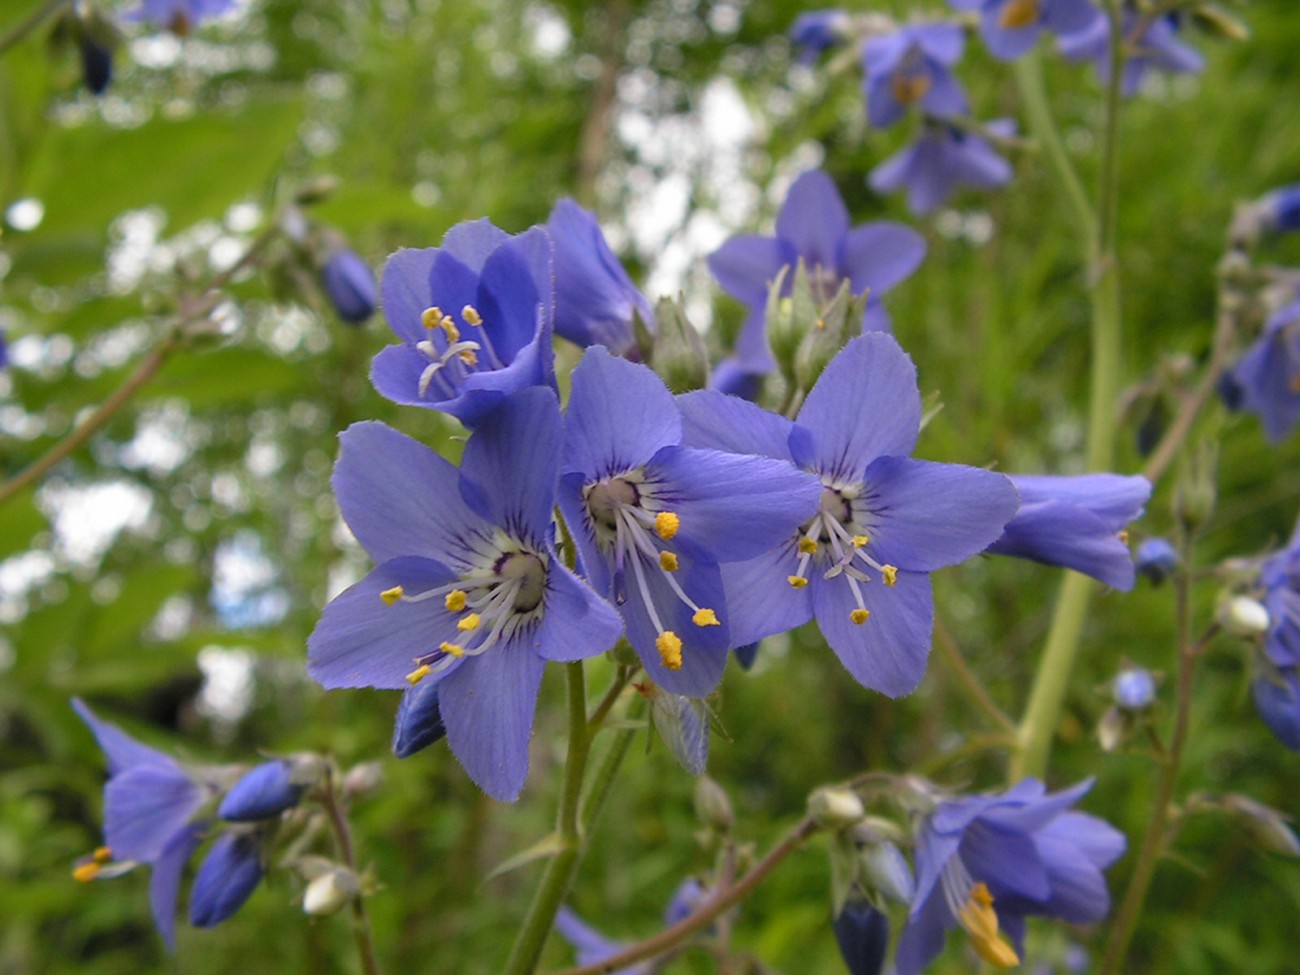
(474, 317)
(468, 591)
(226, 879)
(911, 68)
(595, 300)
(861, 563)
(1156, 560)
(986, 862)
(96, 64)
(1280, 579)
(1276, 693)
(263, 792)
(150, 803)
(592, 947)
(1157, 46)
(653, 518)
(419, 720)
(813, 226)
(1281, 209)
(1134, 688)
(180, 16)
(1010, 27)
(350, 285)
(817, 31)
(942, 158)
(1266, 379)
(862, 932)
(1077, 523)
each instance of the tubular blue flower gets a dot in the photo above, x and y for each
(911, 67)
(466, 566)
(862, 933)
(1276, 693)
(1156, 47)
(653, 518)
(350, 285)
(96, 64)
(1281, 209)
(817, 31)
(150, 803)
(984, 863)
(1156, 560)
(419, 721)
(1280, 579)
(1011, 27)
(595, 300)
(813, 226)
(942, 158)
(1077, 523)
(180, 16)
(1266, 379)
(861, 563)
(474, 317)
(264, 791)
(226, 879)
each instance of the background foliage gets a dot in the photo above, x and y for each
(170, 571)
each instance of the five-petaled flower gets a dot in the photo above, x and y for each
(861, 563)
(1266, 379)
(912, 67)
(941, 159)
(986, 862)
(1152, 42)
(180, 16)
(1010, 27)
(468, 591)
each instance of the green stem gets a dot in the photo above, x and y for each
(554, 885)
(603, 781)
(30, 23)
(343, 839)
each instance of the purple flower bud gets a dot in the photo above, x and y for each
(419, 721)
(96, 65)
(1134, 688)
(746, 655)
(1277, 699)
(266, 791)
(227, 878)
(350, 284)
(1156, 560)
(1281, 208)
(818, 31)
(688, 896)
(863, 936)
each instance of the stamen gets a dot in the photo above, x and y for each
(705, 617)
(860, 616)
(667, 524)
(978, 917)
(471, 315)
(861, 541)
(468, 357)
(668, 561)
(669, 646)
(85, 872)
(890, 574)
(1018, 13)
(455, 600)
(798, 582)
(808, 546)
(451, 649)
(449, 329)
(910, 88)
(391, 596)
(469, 623)
(102, 854)
(431, 317)
(418, 674)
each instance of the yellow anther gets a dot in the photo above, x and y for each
(670, 649)
(102, 854)
(471, 315)
(391, 596)
(797, 581)
(981, 921)
(996, 952)
(1123, 536)
(668, 561)
(705, 617)
(1018, 13)
(820, 323)
(451, 649)
(468, 357)
(449, 329)
(418, 674)
(808, 546)
(910, 89)
(890, 574)
(431, 317)
(860, 616)
(860, 541)
(666, 524)
(455, 600)
(469, 623)
(85, 872)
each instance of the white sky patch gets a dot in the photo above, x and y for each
(548, 31)
(160, 443)
(86, 519)
(25, 214)
(228, 683)
(135, 242)
(19, 576)
(244, 590)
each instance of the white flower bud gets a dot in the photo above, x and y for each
(835, 808)
(330, 892)
(1244, 616)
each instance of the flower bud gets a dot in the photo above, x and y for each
(1195, 494)
(419, 720)
(688, 896)
(363, 779)
(1156, 560)
(1266, 826)
(350, 285)
(862, 933)
(1217, 22)
(269, 789)
(712, 807)
(227, 878)
(885, 869)
(316, 190)
(1113, 728)
(330, 892)
(1280, 209)
(96, 64)
(835, 808)
(1134, 688)
(683, 724)
(1243, 616)
(679, 355)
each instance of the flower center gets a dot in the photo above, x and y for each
(971, 905)
(445, 349)
(632, 527)
(1019, 13)
(836, 537)
(911, 81)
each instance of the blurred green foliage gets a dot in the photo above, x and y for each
(427, 113)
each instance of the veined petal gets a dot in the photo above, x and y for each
(487, 705)
(404, 291)
(419, 719)
(362, 641)
(483, 390)
(165, 880)
(395, 373)
(887, 653)
(472, 242)
(745, 267)
(226, 879)
(704, 648)
(515, 285)
(926, 515)
(760, 600)
(1115, 498)
(1075, 847)
(714, 420)
(813, 218)
(876, 256)
(144, 807)
(577, 623)
(1057, 533)
(943, 40)
(922, 938)
(1007, 861)
(120, 749)
(865, 405)
(1038, 810)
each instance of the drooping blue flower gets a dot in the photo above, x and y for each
(813, 226)
(653, 518)
(592, 947)
(1280, 579)
(266, 790)
(150, 803)
(96, 64)
(941, 159)
(474, 317)
(1011, 27)
(419, 721)
(1266, 379)
(861, 563)
(468, 591)
(350, 285)
(862, 932)
(595, 300)
(1157, 46)
(984, 863)
(1076, 523)
(1281, 209)
(817, 31)
(912, 67)
(226, 879)
(1156, 560)
(1276, 693)
(180, 16)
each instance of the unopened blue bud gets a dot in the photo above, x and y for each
(1277, 699)
(350, 284)
(863, 936)
(746, 655)
(730, 377)
(227, 878)
(1134, 689)
(419, 720)
(1281, 209)
(266, 791)
(1156, 560)
(96, 65)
